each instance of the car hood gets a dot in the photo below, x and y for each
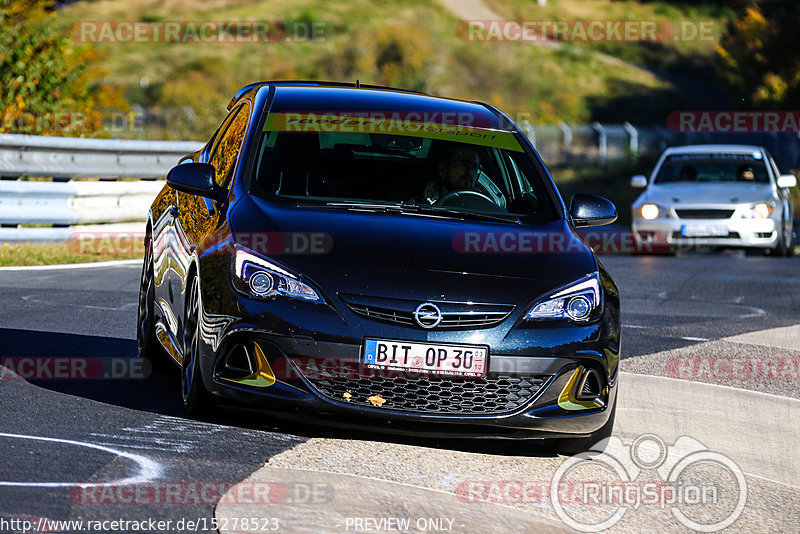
(706, 193)
(413, 256)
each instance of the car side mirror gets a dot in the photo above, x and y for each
(194, 178)
(639, 181)
(592, 210)
(787, 180)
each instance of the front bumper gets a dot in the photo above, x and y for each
(542, 390)
(669, 233)
(531, 391)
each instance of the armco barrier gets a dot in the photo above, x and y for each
(75, 202)
(72, 157)
(64, 204)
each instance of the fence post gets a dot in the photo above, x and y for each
(634, 133)
(567, 131)
(527, 127)
(603, 140)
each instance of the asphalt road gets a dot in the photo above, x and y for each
(672, 302)
(110, 430)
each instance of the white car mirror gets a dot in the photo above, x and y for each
(639, 181)
(787, 180)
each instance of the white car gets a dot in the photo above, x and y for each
(714, 196)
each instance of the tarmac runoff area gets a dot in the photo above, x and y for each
(373, 486)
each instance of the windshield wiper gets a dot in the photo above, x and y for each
(422, 208)
(363, 206)
(403, 207)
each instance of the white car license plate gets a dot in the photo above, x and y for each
(704, 230)
(426, 358)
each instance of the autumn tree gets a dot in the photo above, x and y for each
(759, 52)
(47, 82)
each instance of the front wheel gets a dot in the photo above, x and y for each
(196, 399)
(785, 245)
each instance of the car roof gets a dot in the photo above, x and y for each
(257, 85)
(330, 97)
(702, 149)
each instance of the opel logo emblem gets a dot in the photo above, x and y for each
(428, 315)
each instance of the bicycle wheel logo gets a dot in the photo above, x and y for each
(704, 490)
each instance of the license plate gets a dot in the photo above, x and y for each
(704, 230)
(426, 358)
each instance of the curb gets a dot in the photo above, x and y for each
(114, 263)
(756, 430)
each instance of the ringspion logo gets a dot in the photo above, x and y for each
(704, 490)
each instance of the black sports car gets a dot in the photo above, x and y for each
(375, 258)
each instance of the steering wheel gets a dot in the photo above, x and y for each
(463, 194)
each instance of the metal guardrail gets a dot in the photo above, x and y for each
(75, 202)
(66, 204)
(71, 157)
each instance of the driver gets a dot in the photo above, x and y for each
(745, 173)
(458, 171)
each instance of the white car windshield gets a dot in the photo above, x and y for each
(713, 167)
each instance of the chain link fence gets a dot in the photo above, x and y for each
(567, 144)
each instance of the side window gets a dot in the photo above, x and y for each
(226, 151)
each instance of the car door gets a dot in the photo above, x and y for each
(198, 216)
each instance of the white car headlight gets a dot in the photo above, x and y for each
(577, 302)
(761, 210)
(256, 277)
(650, 211)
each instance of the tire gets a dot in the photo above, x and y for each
(571, 446)
(782, 250)
(196, 399)
(147, 346)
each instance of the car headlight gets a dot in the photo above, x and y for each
(577, 302)
(652, 211)
(761, 210)
(256, 277)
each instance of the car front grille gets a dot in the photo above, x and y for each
(455, 315)
(704, 213)
(449, 320)
(495, 394)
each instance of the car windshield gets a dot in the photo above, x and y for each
(713, 167)
(426, 169)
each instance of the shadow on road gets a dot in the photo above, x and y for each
(106, 370)
(103, 369)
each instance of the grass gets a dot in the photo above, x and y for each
(63, 253)
(411, 44)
